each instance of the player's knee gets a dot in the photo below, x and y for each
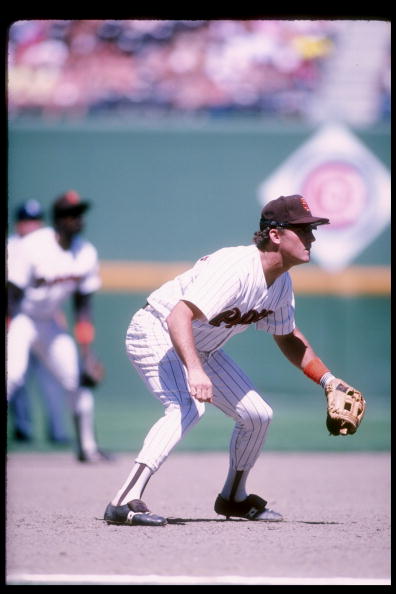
(268, 413)
(256, 415)
(71, 385)
(261, 417)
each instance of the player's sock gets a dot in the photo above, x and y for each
(235, 486)
(134, 485)
(84, 421)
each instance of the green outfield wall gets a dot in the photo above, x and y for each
(164, 191)
(170, 193)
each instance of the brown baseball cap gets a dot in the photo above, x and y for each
(289, 210)
(69, 204)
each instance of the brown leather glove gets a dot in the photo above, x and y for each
(345, 408)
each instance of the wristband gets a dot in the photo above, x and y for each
(316, 370)
(84, 332)
(325, 379)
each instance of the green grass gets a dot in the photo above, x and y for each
(298, 425)
(338, 327)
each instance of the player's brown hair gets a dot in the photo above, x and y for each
(261, 238)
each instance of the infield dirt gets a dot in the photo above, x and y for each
(336, 509)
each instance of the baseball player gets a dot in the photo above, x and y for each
(29, 217)
(175, 343)
(50, 266)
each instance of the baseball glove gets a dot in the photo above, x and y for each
(92, 371)
(345, 408)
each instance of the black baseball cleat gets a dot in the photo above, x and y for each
(133, 513)
(93, 457)
(251, 508)
(22, 436)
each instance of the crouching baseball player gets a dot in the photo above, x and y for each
(175, 343)
(49, 266)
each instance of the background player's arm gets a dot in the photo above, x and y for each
(92, 370)
(84, 330)
(180, 330)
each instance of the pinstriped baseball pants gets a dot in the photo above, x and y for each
(151, 352)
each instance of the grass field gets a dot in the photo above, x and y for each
(298, 425)
(351, 335)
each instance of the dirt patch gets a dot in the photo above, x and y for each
(336, 509)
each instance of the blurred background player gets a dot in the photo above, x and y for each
(29, 217)
(48, 267)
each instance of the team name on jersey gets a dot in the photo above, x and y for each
(40, 282)
(232, 317)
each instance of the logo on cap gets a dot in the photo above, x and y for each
(72, 197)
(304, 204)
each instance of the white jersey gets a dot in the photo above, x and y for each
(12, 245)
(49, 274)
(230, 289)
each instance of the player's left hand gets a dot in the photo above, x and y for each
(92, 371)
(345, 407)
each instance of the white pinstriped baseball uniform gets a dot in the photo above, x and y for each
(229, 287)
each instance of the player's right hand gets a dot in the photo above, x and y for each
(200, 385)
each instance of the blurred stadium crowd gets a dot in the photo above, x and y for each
(78, 68)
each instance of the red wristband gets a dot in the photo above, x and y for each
(315, 370)
(84, 332)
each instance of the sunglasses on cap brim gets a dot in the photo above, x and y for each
(265, 223)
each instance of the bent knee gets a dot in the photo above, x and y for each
(261, 417)
(269, 413)
(70, 385)
(256, 412)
